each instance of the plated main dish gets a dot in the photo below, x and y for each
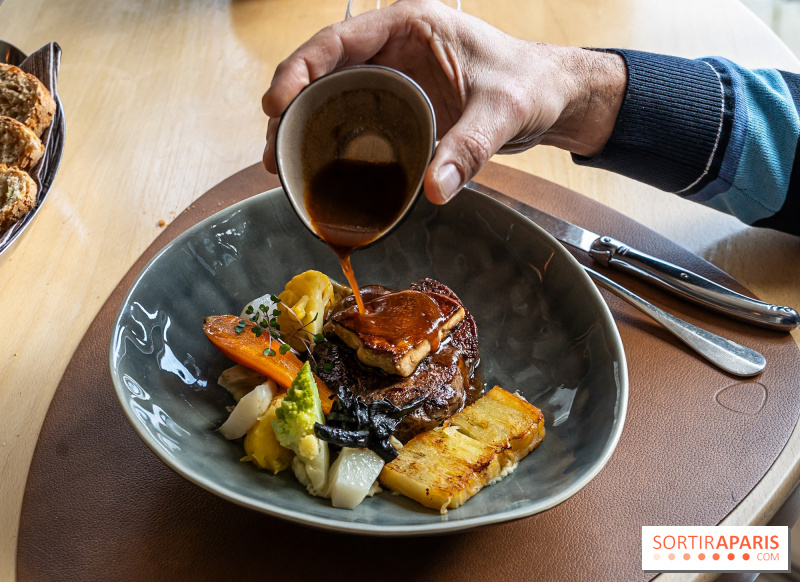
(26, 111)
(392, 389)
(551, 338)
(384, 377)
(337, 388)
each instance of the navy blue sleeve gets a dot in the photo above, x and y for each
(712, 132)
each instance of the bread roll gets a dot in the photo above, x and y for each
(24, 98)
(17, 195)
(19, 146)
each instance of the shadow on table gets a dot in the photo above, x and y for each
(204, 537)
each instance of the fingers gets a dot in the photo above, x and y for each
(351, 42)
(320, 55)
(269, 151)
(463, 151)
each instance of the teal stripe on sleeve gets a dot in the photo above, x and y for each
(773, 126)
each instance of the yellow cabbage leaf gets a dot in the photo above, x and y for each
(304, 305)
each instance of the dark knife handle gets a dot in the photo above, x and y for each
(610, 252)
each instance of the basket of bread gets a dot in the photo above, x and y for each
(31, 138)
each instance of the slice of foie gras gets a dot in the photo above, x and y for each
(399, 329)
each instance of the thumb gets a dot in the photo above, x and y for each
(462, 152)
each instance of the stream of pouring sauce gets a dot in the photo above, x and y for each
(351, 203)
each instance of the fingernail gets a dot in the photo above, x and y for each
(449, 180)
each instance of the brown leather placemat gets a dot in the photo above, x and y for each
(100, 506)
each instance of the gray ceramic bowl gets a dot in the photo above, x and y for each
(544, 330)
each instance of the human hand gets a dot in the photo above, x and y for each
(490, 91)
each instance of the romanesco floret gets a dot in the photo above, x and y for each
(295, 417)
(294, 428)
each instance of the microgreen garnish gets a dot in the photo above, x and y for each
(265, 318)
(240, 326)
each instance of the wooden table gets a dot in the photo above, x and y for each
(162, 101)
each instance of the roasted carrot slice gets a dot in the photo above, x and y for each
(247, 349)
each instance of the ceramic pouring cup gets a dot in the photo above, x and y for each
(364, 113)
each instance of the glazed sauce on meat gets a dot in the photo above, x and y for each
(477, 385)
(351, 203)
(396, 322)
(368, 293)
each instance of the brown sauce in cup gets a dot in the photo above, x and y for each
(351, 203)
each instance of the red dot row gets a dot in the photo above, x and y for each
(703, 556)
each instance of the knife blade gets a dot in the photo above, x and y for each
(682, 282)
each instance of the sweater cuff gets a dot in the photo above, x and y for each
(673, 126)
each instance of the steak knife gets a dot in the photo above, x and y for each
(682, 282)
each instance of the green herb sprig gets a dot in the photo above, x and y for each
(265, 320)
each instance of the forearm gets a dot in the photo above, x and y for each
(712, 132)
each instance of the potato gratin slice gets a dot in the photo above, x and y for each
(444, 467)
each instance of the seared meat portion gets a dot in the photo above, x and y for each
(464, 337)
(399, 330)
(441, 379)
